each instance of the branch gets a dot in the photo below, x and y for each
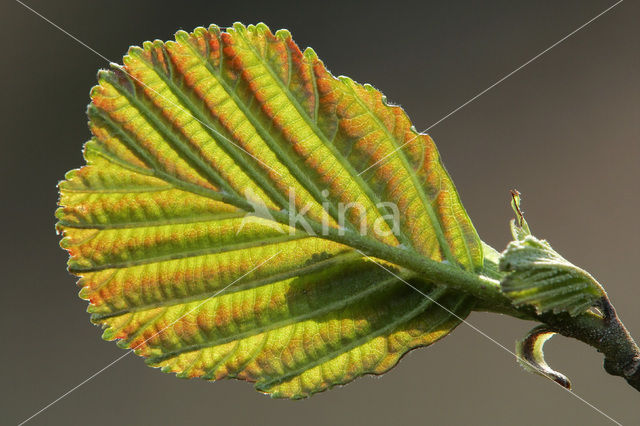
(605, 333)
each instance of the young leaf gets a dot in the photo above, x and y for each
(519, 226)
(219, 225)
(540, 277)
(530, 355)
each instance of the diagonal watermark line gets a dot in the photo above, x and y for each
(88, 379)
(486, 335)
(121, 68)
(492, 86)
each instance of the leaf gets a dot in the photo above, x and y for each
(530, 355)
(520, 228)
(209, 226)
(540, 277)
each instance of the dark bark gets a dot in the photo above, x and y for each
(605, 333)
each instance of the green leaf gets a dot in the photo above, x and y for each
(530, 355)
(540, 277)
(209, 227)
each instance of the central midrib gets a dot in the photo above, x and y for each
(481, 287)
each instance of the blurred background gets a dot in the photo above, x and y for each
(564, 130)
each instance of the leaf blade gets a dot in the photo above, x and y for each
(184, 136)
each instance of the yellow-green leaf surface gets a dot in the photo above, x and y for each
(188, 137)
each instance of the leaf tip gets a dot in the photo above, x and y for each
(182, 36)
(239, 27)
(282, 34)
(310, 54)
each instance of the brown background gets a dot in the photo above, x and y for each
(564, 131)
